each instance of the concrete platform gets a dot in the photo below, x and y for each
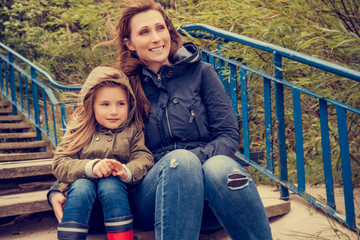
(302, 222)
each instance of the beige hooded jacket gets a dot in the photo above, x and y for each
(125, 144)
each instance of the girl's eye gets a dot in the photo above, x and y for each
(104, 104)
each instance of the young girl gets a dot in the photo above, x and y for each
(103, 151)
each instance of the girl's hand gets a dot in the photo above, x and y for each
(118, 170)
(107, 167)
(103, 168)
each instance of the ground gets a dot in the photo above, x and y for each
(302, 222)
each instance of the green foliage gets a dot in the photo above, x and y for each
(60, 36)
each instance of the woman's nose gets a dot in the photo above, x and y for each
(155, 37)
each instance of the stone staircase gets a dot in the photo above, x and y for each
(25, 165)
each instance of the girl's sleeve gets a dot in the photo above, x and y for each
(68, 168)
(222, 123)
(141, 158)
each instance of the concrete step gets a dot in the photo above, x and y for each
(18, 169)
(23, 203)
(24, 145)
(5, 107)
(11, 118)
(9, 126)
(19, 135)
(25, 156)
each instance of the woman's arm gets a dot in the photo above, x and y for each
(222, 123)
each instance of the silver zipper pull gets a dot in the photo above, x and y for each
(192, 116)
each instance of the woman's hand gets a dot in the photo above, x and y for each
(57, 201)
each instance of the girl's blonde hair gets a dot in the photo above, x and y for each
(83, 124)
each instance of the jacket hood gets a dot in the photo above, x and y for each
(188, 53)
(184, 57)
(102, 74)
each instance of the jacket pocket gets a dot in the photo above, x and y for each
(201, 123)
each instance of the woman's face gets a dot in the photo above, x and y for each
(150, 39)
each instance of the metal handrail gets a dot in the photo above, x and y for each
(28, 94)
(237, 81)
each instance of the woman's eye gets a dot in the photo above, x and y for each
(161, 27)
(104, 104)
(143, 31)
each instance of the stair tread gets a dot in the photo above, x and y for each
(4, 104)
(23, 203)
(8, 118)
(15, 125)
(25, 156)
(24, 145)
(18, 135)
(27, 168)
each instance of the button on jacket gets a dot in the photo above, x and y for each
(189, 108)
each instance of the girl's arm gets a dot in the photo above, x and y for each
(68, 168)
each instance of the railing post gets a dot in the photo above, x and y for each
(232, 90)
(245, 113)
(268, 126)
(280, 120)
(326, 154)
(12, 83)
(346, 166)
(1, 74)
(36, 104)
(299, 142)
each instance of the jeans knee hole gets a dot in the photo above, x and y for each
(174, 163)
(237, 180)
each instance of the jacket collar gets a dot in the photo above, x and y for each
(185, 56)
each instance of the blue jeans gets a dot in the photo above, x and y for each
(112, 193)
(171, 197)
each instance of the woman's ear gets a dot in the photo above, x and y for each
(129, 44)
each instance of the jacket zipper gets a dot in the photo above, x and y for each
(166, 112)
(192, 116)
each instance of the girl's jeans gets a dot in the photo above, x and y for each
(112, 193)
(171, 198)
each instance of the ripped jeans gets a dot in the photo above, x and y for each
(180, 196)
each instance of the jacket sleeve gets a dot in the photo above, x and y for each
(68, 168)
(222, 123)
(141, 159)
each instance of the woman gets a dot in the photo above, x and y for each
(191, 130)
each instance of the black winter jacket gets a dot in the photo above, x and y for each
(189, 108)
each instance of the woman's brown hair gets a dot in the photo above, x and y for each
(129, 62)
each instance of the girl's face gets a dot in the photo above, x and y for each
(111, 106)
(150, 39)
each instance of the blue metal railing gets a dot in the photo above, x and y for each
(237, 74)
(24, 84)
